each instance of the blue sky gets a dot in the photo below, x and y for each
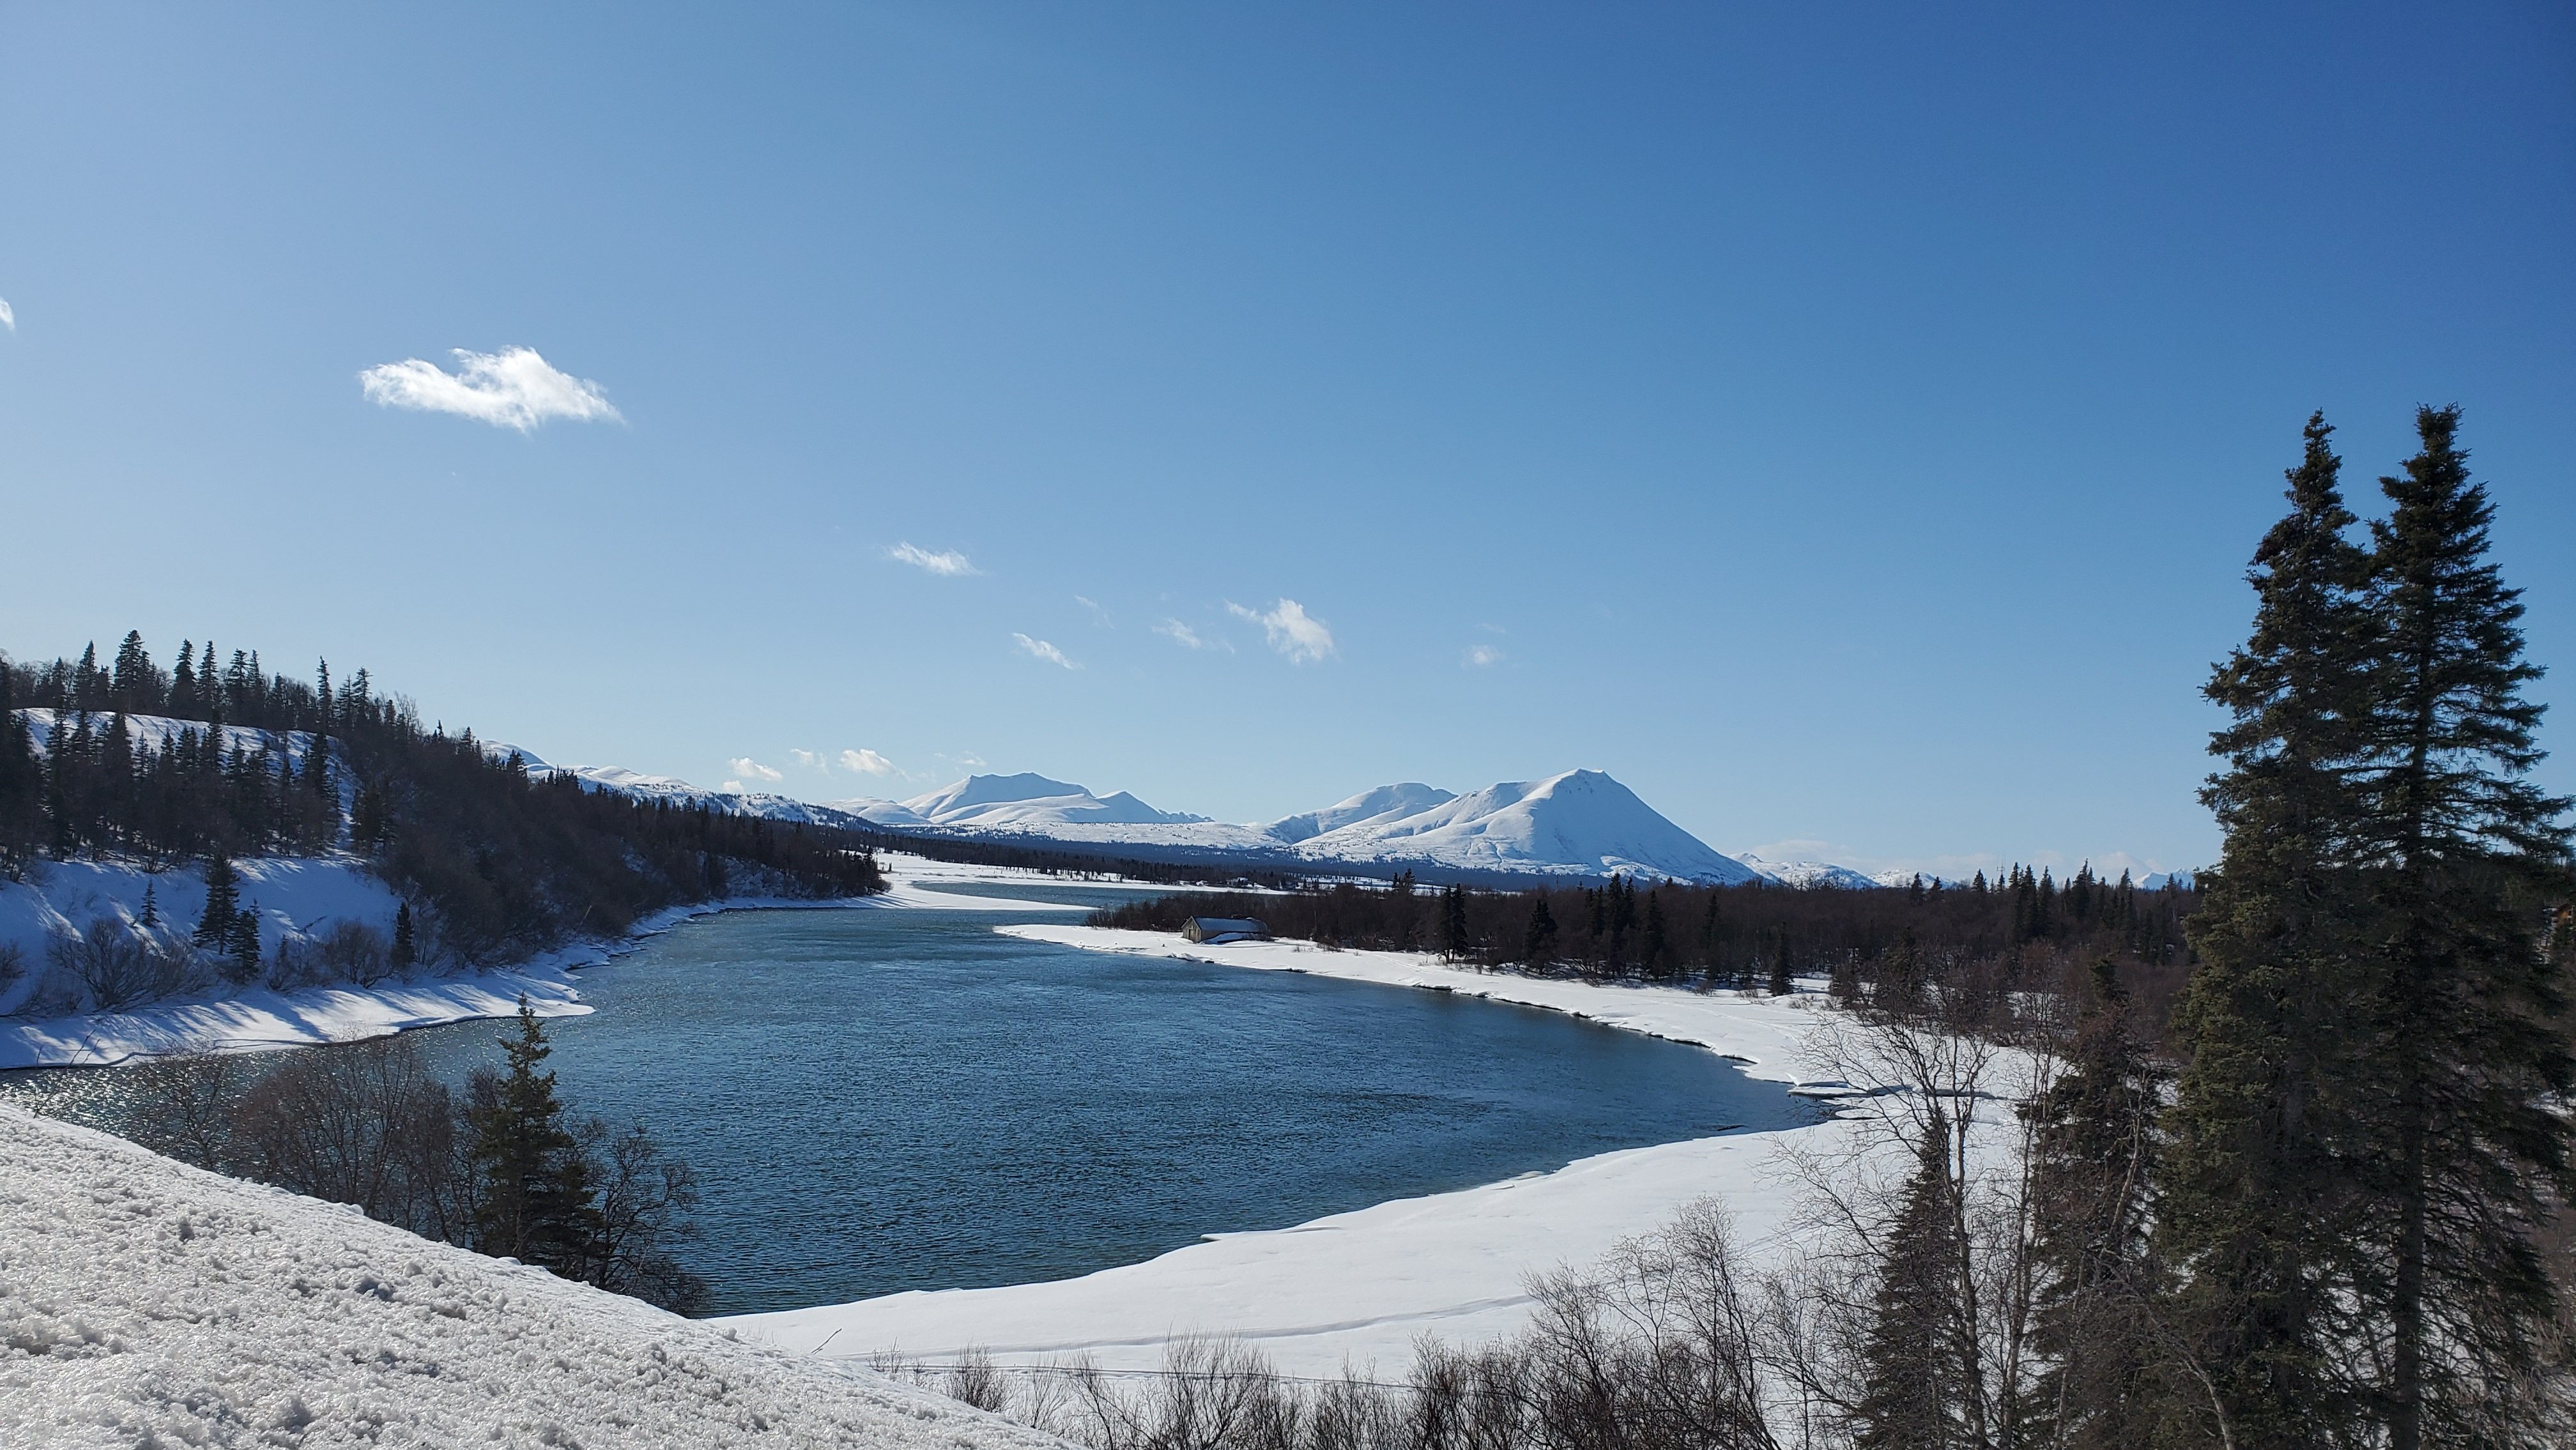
(1845, 425)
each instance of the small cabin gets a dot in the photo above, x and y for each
(1210, 930)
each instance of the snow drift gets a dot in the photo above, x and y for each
(144, 1302)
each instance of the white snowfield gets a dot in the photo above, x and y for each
(1358, 1288)
(143, 1302)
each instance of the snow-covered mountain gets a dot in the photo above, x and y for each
(1579, 823)
(1032, 803)
(1808, 875)
(1576, 823)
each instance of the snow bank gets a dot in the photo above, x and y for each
(1359, 1287)
(145, 1302)
(302, 897)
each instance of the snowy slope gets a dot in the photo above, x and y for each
(1031, 802)
(1383, 806)
(143, 1302)
(1579, 823)
(1809, 875)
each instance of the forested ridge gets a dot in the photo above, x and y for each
(496, 864)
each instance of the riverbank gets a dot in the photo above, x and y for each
(1358, 1288)
(300, 891)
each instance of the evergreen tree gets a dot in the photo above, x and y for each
(1455, 939)
(1538, 945)
(1653, 949)
(533, 1199)
(2258, 1208)
(241, 945)
(2465, 855)
(406, 947)
(136, 685)
(2093, 1161)
(215, 927)
(1919, 1351)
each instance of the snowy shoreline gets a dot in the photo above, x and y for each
(267, 1018)
(1358, 1288)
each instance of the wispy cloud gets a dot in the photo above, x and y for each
(512, 388)
(1292, 631)
(1099, 611)
(1188, 638)
(855, 762)
(1483, 655)
(946, 562)
(8, 319)
(750, 769)
(1040, 649)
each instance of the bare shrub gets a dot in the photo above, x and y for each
(13, 965)
(118, 963)
(645, 1199)
(181, 1107)
(352, 951)
(975, 1381)
(364, 1124)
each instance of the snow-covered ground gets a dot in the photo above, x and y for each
(1359, 1287)
(143, 1302)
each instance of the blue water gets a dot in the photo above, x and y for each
(878, 1100)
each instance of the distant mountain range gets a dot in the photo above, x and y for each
(1579, 823)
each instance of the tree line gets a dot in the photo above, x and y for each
(2023, 929)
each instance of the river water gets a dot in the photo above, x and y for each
(878, 1100)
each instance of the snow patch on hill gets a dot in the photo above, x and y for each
(144, 1302)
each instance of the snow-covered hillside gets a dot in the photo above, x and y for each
(143, 1302)
(1383, 806)
(1809, 875)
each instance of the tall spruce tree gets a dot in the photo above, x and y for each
(2094, 1161)
(2259, 1209)
(533, 1199)
(1919, 1353)
(215, 927)
(2467, 858)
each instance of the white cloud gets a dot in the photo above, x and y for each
(808, 759)
(867, 762)
(1482, 655)
(1292, 631)
(971, 762)
(1099, 612)
(947, 562)
(1188, 638)
(1040, 649)
(752, 769)
(512, 388)
(8, 319)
